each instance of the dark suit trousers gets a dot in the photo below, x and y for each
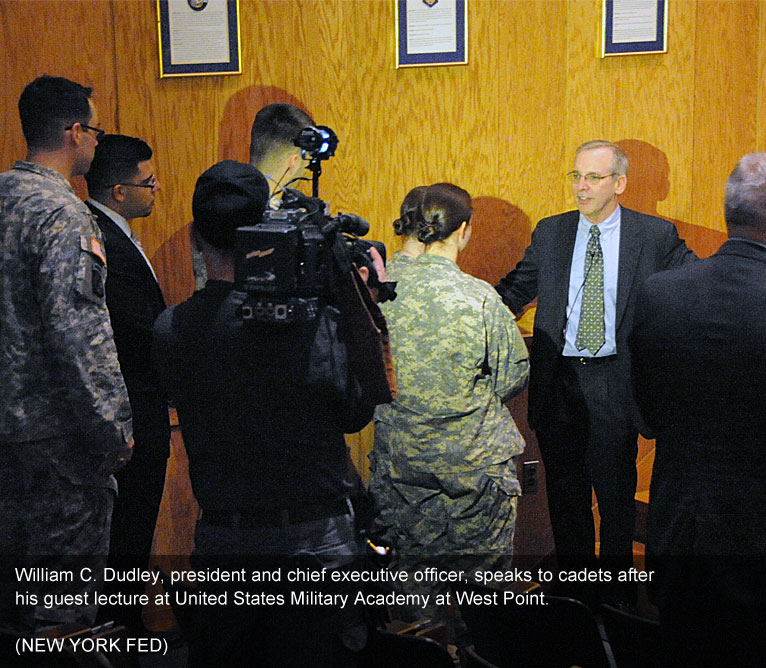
(593, 447)
(140, 483)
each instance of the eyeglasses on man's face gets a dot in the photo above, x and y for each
(591, 179)
(150, 182)
(99, 132)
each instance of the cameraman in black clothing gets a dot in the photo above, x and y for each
(263, 408)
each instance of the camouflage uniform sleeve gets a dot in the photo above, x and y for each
(70, 291)
(506, 352)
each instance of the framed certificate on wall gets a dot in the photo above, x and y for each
(634, 26)
(198, 37)
(431, 32)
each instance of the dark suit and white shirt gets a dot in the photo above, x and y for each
(134, 300)
(580, 400)
(124, 226)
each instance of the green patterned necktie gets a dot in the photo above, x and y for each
(590, 331)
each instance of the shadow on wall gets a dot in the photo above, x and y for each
(501, 234)
(649, 184)
(234, 132)
(173, 259)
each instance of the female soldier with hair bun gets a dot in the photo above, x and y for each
(406, 225)
(446, 480)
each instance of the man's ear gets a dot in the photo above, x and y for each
(117, 193)
(75, 134)
(622, 182)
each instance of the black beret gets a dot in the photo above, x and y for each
(228, 195)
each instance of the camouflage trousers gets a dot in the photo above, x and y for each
(430, 529)
(57, 532)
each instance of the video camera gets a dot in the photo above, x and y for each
(286, 264)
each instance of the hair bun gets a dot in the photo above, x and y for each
(428, 233)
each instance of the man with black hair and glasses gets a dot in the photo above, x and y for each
(65, 421)
(122, 186)
(584, 267)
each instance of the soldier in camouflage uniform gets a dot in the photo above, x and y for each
(406, 225)
(442, 467)
(65, 423)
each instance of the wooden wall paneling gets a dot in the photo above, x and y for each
(657, 119)
(642, 99)
(531, 67)
(725, 100)
(487, 141)
(330, 67)
(392, 128)
(526, 137)
(174, 535)
(56, 38)
(173, 115)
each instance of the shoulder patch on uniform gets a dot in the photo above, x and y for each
(93, 246)
(91, 271)
(97, 248)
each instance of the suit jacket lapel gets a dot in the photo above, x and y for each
(630, 250)
(566, 246)
(562, 257)
(113, 230)
(118, 236)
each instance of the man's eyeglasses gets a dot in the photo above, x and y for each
(151, 182)
(99, 132)
(591, 179)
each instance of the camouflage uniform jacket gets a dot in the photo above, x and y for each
(458, 356)
(397, 265)
(60, 374)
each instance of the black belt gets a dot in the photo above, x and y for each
(274, 516)
(588, 361)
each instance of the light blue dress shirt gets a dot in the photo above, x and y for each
(610, 247)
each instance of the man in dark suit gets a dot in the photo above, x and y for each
(700, 380)
(122, 187)
(584, 267)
